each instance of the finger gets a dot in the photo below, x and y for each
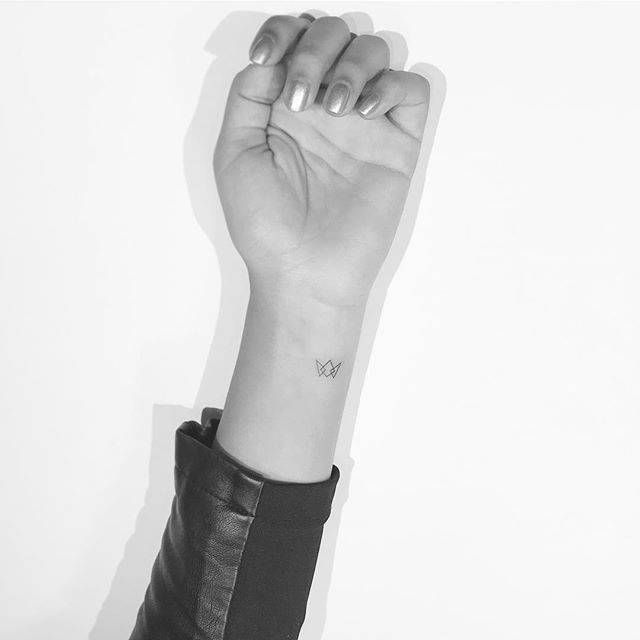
(315, 53)
(246, 115)
(402, 95)
(365, 57)
(275, 37)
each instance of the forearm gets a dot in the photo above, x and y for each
(288, 390)
(252, 495)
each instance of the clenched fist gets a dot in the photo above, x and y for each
(315, 156)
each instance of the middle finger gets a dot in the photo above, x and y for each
(313, 56)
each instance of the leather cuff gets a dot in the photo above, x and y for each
(239, 550)
(200, 458)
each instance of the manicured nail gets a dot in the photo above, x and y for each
(369, 104)
(298, 95)
(262, 49)
(337, 98)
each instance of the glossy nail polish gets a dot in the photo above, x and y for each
(369, 104)
(337, 98)
(262, 49)
(298, 95)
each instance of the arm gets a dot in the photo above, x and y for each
(312, 184)
(313, 188)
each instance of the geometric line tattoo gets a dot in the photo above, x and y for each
(327, 369)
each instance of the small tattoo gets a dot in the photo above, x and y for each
(328, 368)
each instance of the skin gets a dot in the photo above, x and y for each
(313, 183)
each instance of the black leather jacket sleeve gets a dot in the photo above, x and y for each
(239, 551)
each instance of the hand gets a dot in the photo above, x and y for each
(315, 156)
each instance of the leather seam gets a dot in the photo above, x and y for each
(237, 569)
(190, 479)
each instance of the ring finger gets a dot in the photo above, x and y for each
(365, 57)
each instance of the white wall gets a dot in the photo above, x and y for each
(495, 492)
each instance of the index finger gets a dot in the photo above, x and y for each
(275, 37)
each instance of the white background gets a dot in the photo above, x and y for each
(495, 485)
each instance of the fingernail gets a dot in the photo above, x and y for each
(298, 95)
(337, 98)
(262, 49)
(369, 104)
(307, 16)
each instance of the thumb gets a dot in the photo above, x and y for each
(252, 93)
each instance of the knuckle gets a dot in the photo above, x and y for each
(272, 23)
(375, 42)
(334, 23)
(376, 48)
(394, 79)
(383, 48)
(421, 83)
(240, 79)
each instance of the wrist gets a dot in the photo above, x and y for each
(302, 296)
(293, 312)
(289, 323)
(291, 379)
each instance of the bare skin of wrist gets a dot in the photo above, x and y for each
(313, 164)
(288, 390)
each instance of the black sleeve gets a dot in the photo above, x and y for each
(239, 551)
